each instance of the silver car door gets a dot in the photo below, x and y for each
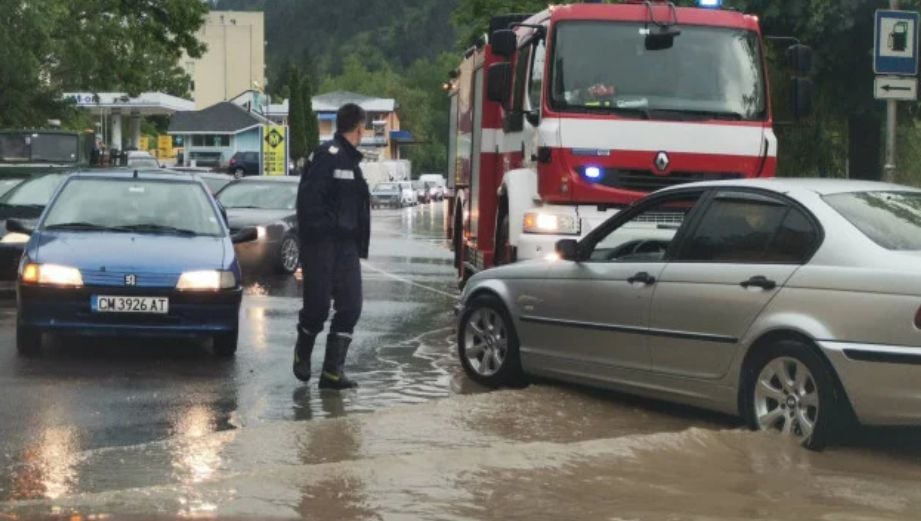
(591, 315)
(744, 249)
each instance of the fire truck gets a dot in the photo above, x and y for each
(562, 118)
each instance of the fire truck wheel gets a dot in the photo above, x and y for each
(502, 250)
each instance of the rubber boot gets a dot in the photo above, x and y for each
(302, 351)
(333, 377)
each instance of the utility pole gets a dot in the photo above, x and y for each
(891, 114)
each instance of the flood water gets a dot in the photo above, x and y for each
(93, 429)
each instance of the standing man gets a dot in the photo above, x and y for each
(334, 222)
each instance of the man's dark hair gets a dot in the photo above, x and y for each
(349, 117)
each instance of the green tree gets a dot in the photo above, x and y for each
(97, 45)
(311, 125)
(297, 139)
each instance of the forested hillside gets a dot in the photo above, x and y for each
(392, 48)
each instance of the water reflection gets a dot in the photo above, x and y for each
(48, 467)
(197, 457)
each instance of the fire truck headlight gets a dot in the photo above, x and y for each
(710, 3)
(551, 223)
(593, 173)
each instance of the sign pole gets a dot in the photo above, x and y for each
(891, 115)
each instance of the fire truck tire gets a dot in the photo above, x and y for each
(502, 250)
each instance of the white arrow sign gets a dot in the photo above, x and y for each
(885, 87)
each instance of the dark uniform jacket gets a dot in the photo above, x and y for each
(333, 200)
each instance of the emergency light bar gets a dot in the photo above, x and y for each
(711, 4)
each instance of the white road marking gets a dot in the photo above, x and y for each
(404, 280)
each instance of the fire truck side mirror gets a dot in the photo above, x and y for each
(504, 43)
(799, 59)
(803, 92)
(499, 82)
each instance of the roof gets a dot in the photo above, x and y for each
(331, 101)
(269, 179)
(146, 103)
(129, 173)
(640, 13)
(222, 118)
(821, 186)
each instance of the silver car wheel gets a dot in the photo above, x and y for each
(787, 398)
(486, 341)
(289, 255)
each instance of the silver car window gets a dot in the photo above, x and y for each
(750, 230)
(890, 219)
(647, 236)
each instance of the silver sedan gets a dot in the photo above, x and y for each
(793, 303)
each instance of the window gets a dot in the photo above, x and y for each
(537, 76)
(748, 228)
(710, 72)
(211, 140)
(890, 219)
(514, 121)
(648, 235)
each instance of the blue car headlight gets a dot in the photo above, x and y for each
(51, 274)
(206, 280)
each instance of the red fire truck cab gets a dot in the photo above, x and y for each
(560, 119)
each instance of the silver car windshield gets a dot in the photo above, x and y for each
(134, 205)
(261, 196)
(890, 219)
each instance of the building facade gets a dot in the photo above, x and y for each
(234, 61)
(383, 136)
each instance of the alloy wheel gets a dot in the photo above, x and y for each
(787, 398)
(289, 255)
(486, 341)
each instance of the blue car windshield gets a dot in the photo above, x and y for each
(134, 205)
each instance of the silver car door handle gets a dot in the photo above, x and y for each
(759, 281)
(642, 278)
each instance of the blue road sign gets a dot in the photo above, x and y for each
(896, 43)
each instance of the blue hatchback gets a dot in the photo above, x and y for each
(122, 253)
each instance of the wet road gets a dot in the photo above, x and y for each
(129, 428)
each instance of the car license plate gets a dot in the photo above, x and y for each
(125, 304)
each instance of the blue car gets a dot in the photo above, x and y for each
(122, 253)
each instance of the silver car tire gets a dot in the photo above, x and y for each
(288, 255)
(791, 391)
(487, 344)
(239, 173)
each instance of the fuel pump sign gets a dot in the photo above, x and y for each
(896, 43)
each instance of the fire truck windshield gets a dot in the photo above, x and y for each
(38, 147)
(709, 72)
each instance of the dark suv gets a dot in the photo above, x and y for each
(243, 164)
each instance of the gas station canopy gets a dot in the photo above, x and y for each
(147, 104)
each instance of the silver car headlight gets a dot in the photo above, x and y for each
(551, 223)
(15, 238)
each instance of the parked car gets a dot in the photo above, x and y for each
(387, 194)
(789, 302)
(119, 253)
(270, 205)
(407, 193)
(25, 202)
(436, 184)
(140, 159)
(244, 164)
(7, 184)
(422, 192)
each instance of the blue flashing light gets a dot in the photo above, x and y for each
(711, 4)
(593, 172)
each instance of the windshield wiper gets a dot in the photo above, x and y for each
(78, 226)
(643, 112)
(157, 228)
(710, 114)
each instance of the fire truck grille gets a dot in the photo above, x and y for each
(646, 181)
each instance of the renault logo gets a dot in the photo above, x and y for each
(131, 280)
(662, 161)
